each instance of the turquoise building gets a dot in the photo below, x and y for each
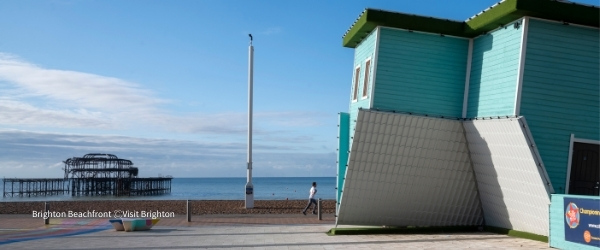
(470, 122)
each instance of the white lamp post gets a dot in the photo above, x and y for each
(249, 186)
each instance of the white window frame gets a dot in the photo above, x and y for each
(367, 78)
(356, 83)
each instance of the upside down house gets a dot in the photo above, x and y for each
(474, 122)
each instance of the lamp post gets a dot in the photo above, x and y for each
(249, 186)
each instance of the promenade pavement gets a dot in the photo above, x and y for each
(255, 231)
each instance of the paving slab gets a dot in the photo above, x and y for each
(242, 232)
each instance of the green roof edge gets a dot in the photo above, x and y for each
(492, 18)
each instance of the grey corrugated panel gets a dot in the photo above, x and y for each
(409, 171)
(511, 186)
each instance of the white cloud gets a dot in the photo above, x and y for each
(35, 96)
(24, 150)
(32, 95)
(19, 113)
(76, 89)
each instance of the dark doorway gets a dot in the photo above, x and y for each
(585, 169)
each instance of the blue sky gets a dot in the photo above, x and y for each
(164, 83)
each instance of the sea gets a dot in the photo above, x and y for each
(265, 188)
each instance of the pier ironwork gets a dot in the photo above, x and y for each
(15, 187)
(91, 175)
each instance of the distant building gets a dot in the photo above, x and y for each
(465, 123)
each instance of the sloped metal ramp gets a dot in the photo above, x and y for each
(513, 184)
(409, 170)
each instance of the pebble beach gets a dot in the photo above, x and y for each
(198, 207)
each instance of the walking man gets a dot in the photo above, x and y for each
(311, 199)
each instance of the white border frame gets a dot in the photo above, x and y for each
(571, 144)
(374, 66)
(467, 79)
(521, 70)
(364, 76)
(538, 158)
(355, 84)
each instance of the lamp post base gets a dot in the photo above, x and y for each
(249, 195)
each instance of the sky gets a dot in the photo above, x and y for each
(165, 83)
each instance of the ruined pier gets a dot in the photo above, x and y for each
(91, 175)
